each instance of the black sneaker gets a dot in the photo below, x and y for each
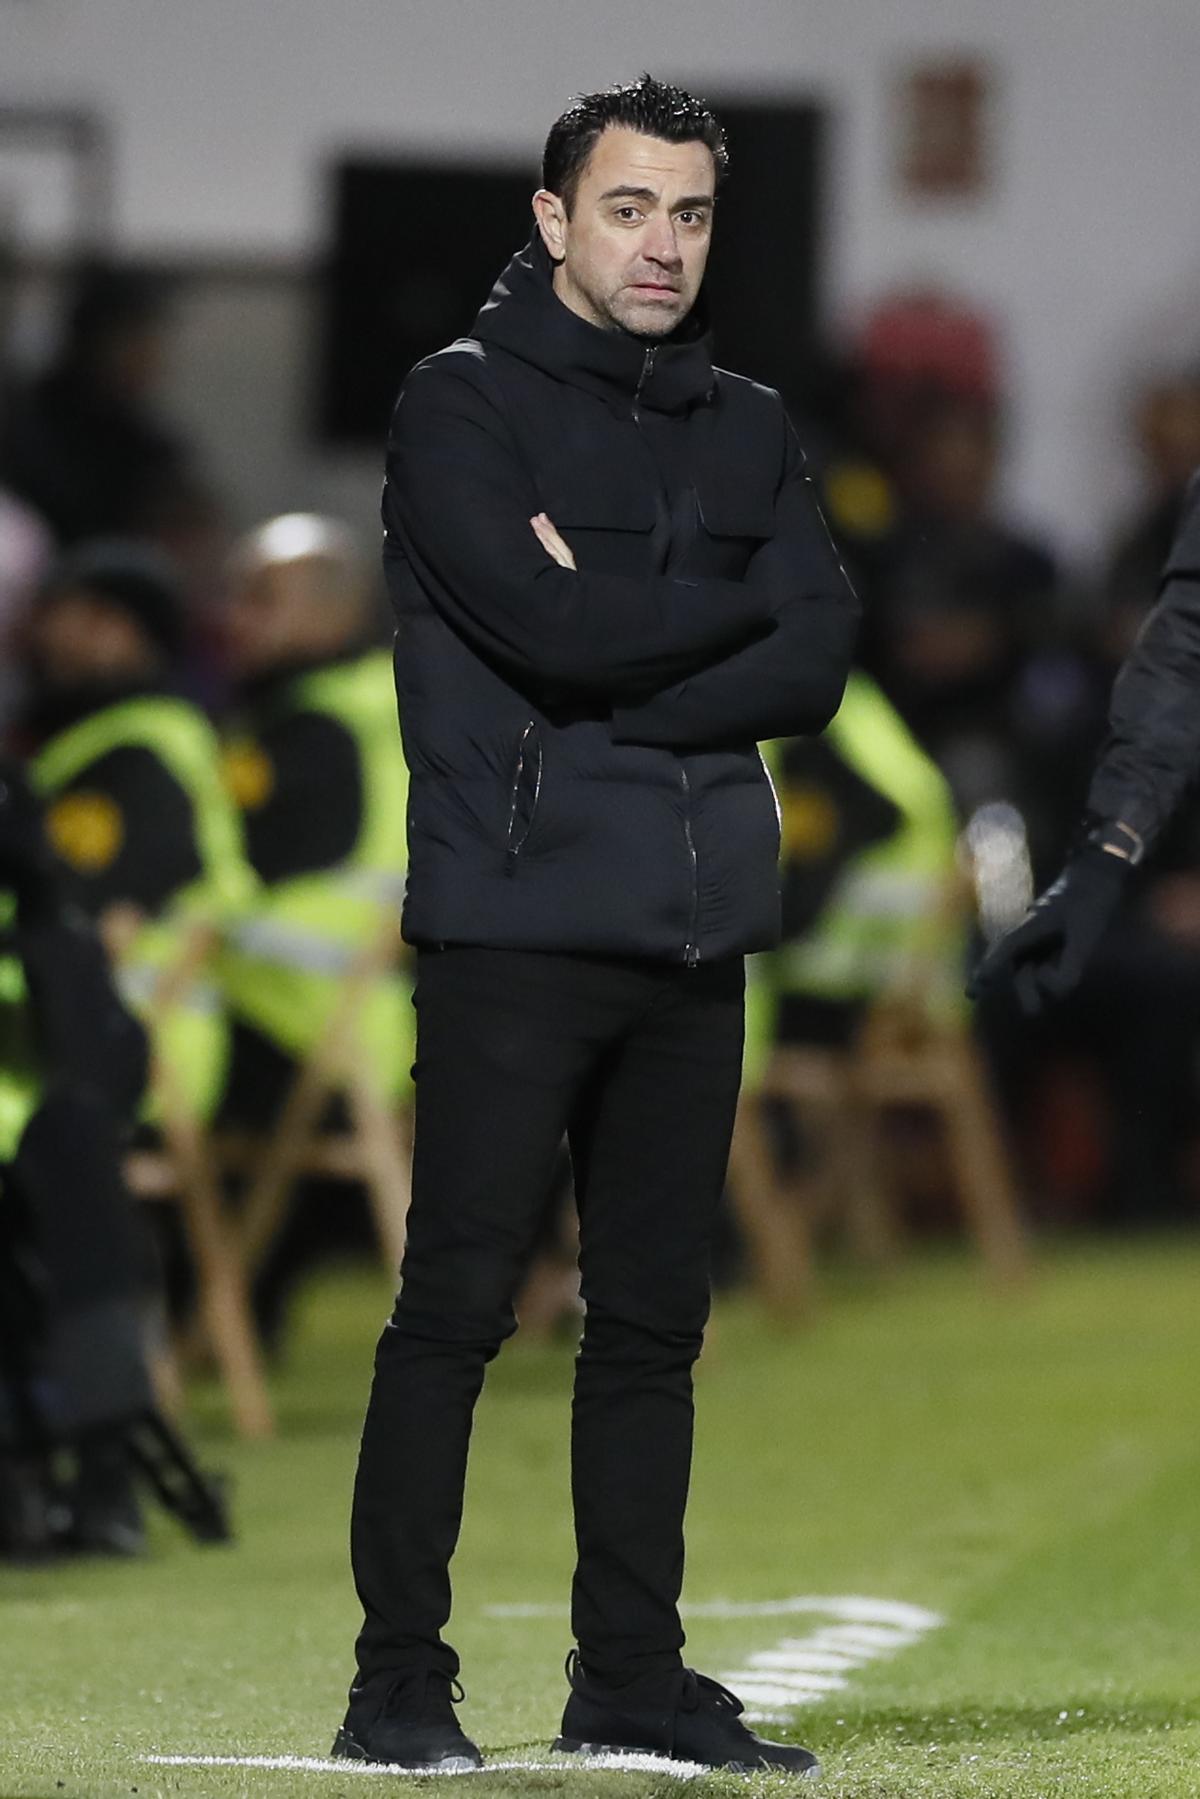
(702, 1726)
(407, 1722)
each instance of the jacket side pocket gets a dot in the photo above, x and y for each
(524, 793)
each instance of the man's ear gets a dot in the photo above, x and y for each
(551, 216)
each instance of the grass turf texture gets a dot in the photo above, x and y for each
(1029, 1467)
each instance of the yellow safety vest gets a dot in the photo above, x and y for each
(886, 913)
(194, 1035)
(285, 960)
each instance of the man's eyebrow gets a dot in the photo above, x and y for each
(650, 193)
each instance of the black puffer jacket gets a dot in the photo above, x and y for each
(1152, 755)
(584, 776)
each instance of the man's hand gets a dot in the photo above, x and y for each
(551, 542)
(1045, 955)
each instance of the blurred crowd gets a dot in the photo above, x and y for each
(999, 662)
(202, 773)
(203, 782)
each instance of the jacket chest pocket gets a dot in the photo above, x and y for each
(734, 523)
(605, 535)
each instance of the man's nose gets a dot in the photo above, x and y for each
(659, 244)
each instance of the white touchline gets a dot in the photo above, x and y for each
(794, 1671)
(799, 1670)
(311, 1764)
(802, 1670)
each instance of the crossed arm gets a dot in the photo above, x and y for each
(683, 663)
(787, 684)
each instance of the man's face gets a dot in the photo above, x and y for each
(264, 617)
(79, 638)
(278, 612)
(631, 255)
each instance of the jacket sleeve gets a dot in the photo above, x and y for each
(789, 683)
(1152, 752)
(457, 505)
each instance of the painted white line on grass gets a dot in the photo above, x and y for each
(802, 1670)
(799, 1670)
(311, 1764)
(772, 1682)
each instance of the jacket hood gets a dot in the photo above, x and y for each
(525, 316)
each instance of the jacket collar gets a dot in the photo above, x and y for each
(525, 316)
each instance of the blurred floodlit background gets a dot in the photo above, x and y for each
(963, 240)
(213, 140)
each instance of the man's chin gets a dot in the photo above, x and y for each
(651, 320)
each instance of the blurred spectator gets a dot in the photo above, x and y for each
(911, 347)
(82, 443)
(1167, 421)
(966, 601)
(961, 619)
(136, 810)
(868, 862)
(914, 345)
(314, 763)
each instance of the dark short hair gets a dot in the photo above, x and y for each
(653, 107)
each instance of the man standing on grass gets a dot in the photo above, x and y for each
(610, 580)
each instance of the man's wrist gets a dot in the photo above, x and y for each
(1118, 840)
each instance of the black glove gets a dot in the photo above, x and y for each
(1044, 956)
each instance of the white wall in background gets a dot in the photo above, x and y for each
(1089, 249)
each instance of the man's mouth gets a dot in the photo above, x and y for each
(654, 287)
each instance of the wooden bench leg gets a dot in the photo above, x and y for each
(386, 1152)
(775, 1226)
(224, 1299)
(269, 1192)
(983, 1173)
(870, 1216)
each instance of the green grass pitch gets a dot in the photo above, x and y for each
(1026, 1467)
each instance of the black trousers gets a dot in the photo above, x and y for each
(639, 1064)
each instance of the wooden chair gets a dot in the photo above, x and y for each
(774, 1223)
(903, 1058)
(903, 1055)
(376, 1149)
(180, 1169)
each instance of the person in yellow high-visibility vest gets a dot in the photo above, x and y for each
(314, 763)
(868, 835)
(129, 774)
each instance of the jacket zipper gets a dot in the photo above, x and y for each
(647, 370)
(514, 849)
(691, 951)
